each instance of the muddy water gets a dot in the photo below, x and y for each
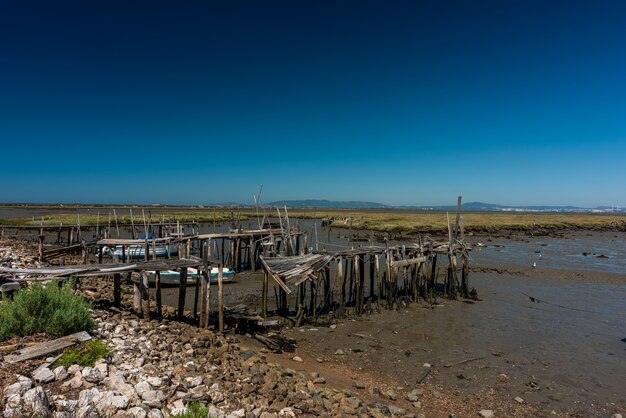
(591, 251)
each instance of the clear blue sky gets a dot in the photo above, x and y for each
(399, 102)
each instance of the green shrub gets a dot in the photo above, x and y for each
(50, 309)
(84, 355)
(195, 410)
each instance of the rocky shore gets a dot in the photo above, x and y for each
(156, 369)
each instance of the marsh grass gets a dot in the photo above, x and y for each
(48, 309)
(84, 355)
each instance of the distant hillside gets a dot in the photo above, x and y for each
(328, 204)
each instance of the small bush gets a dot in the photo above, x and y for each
(51, 309)
(84, 355)
(195, 410)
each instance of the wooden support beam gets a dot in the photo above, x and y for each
(159, 302)
(145, 295)
(46, 348)
(182, 292)
(137, 285)
(220, 297)
(340, 283)
(117, 290)
(264, 292)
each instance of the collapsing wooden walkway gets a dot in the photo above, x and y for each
(397, 273)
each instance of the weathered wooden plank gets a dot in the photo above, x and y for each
(47, 347)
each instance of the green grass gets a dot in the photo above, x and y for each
(125, 219)
(400, 221)
(394, 221)
(44, 309)
(195, 410)
(84, 355)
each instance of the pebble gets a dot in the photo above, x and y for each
(298, 359)
(486, 413)
(518, 399)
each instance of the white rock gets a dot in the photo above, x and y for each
(60, 373)
(74, 368)
(117, 384)
(136, 412)
(298, 359)
(287, 413)
(153, 398)
(88, 411)
(13, 401)
(43, 375)
(427, 365)
(240, 413)
(25, 382)
(194, 381)
(155, 413)
(215, 412)
(142, 387)
(486, 413)
(36, 402)
(14, 389)
(86, 397)
(154, 381)
(92, 375)
(74, 383)
(518, 399)
(103, 367)
(107, 403)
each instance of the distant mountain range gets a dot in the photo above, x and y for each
(470, 206)
(329, 204)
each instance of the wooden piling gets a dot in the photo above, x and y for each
(220, 297)
(340, 283)
(158, 295)
(182, 292)
(137, 287)
(264, 295)
(117, 290)
(145, 295)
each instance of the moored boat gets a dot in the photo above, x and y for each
(172, 277)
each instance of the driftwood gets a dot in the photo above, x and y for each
(463, 361)
(5, 349)
(48, 347)
(366, 336)
(275, 343)
(425, 373)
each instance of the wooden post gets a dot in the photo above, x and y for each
(182, 291)
(204, 299)
(40, 246)
(145, 295)
(137, 286)
(340, 311)
(220, 297)
(357, 284)
(196, 294)
(158, 295)
(237, 254)
(372, 272)
(154, 255)
(146, 249)
(264, 294)
(117, 290)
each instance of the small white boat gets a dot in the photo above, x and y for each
(172, 277)
(139, 251)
